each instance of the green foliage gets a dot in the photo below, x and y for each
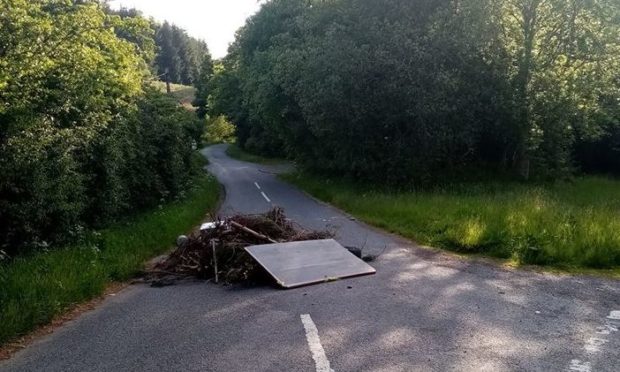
(130, 25)
(218, 130)
(225, 98)
(203, 87)
(564, 224)
(49, 86)
(402, 91)
(564, 56)
(143, 160)
(81, 146)
(35, 288)
(236, 152)
(182, 56)
(165, 47)
(42, 188)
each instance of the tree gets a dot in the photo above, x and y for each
(168, 60)
(202, 85)
(130, 25)
(179, 54)
(406, 91)
(564, 54)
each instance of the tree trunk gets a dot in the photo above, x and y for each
(168, 90)
(529, 15)
(523, 162)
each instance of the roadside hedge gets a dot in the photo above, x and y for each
(83, 139)
(56, 183)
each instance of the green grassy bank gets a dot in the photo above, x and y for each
(566, 225)
(185, 94)
(34, 289)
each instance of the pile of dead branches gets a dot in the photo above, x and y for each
(218, 252)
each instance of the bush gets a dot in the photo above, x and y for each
(218, 130)
(56, 181)
(42, 188)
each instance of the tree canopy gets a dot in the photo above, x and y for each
(179, 54)
(410, 90)
(169, 49)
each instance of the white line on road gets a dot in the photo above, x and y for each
(265, 196)
(594, 345)
(614, 315)
(257, 185)
(314, 342)
(577, 365)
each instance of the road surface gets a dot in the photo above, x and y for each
(423, 311)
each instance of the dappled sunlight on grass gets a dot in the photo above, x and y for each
(572, 224)
(469, 234)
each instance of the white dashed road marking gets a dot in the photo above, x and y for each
(579, 366)
(266, 197)
(262, 192)
(614, 315)
(314, 342)
(594, 345)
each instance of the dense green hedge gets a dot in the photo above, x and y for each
(54, 185)
(83, 140)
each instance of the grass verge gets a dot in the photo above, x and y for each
(236, 152)
(36, 288)
(572, 226)
(185, 94)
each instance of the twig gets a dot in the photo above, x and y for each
(214, 261)
(193, 260)
(252, 232)
(195, 267)
(155, 272)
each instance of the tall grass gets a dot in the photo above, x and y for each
(185, 94)
(34, 289)
(573, 224)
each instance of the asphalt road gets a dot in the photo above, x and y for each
(423, 311)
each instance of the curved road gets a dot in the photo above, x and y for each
(423, 311)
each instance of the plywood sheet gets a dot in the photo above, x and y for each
(297, 264)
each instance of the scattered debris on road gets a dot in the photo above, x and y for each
(217, 250)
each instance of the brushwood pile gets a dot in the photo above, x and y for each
(217, 252)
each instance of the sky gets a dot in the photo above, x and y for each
(214, 21)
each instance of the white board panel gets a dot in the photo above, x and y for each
(297, 264)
